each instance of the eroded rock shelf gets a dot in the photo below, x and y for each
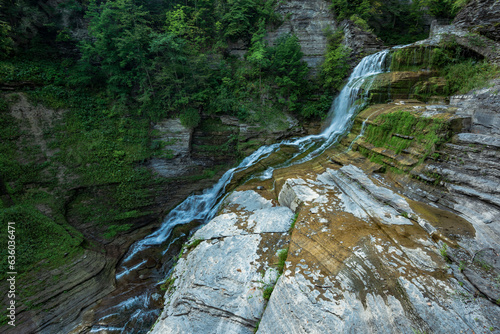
(412, 250)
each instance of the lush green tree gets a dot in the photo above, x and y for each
(336, 65)
(119, 45)
(238, 20)
(195, 23)
(257, 53)
(6, 42)
(288, 68)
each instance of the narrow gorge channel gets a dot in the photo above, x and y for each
(250, 166)
(136, 303)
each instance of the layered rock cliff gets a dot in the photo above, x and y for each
(185, 161)
(480, 16)
(395, 229)
(367, 251)
(309, 21)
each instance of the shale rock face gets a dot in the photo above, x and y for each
(307, 19)
(361, 42)
(362, 258)
(483, 45)
(412, 252)
(482, 16)
(176, 139)
(483, 106)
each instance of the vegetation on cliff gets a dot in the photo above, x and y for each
(137, 62)
(460, 68)
(396, 22)
(117, 66)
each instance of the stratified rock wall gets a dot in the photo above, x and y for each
(362, 260)
(359, 41)
(381, 253)
(481, 16)
(308, 20)
(483, 106)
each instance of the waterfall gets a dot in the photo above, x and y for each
(347, 104)
(342, 112)
(204, 206)
(361, 134)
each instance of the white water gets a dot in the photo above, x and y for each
(204, 206)
(341, 114)
(361, 133)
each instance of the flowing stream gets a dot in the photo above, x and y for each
(136, 305)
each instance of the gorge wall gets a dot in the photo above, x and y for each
(392, 252)
(369, 236)
(395, 230)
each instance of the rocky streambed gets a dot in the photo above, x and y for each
(377, 239)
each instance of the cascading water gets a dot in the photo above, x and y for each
(361, 133)
(204, 206)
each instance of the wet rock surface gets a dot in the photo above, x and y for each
(308, 21)
(362, 257)
(86, 279)
(406, 252)
(348, 270)
(218, 286)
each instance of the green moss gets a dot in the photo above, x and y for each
(252, 144)
(425, 57)
(461, 70)
(39, 240)
(294, 220)
(268, 290)
(257, 326)
(193, 244)
(113, 230)
(282, 255)
(207, 174)
(168, 284)
(424, 132)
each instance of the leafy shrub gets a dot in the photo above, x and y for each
(38, 238)
(190, 118)
(335, 67)
(468, 75)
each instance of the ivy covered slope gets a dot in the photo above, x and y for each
(85, 90)
(91, 93)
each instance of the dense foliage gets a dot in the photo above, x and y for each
(461, 69)
(118, 65)
(134, 63)
(336, 65)
(396, 22)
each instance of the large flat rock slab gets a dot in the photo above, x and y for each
(360, 262)
(219, 284)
